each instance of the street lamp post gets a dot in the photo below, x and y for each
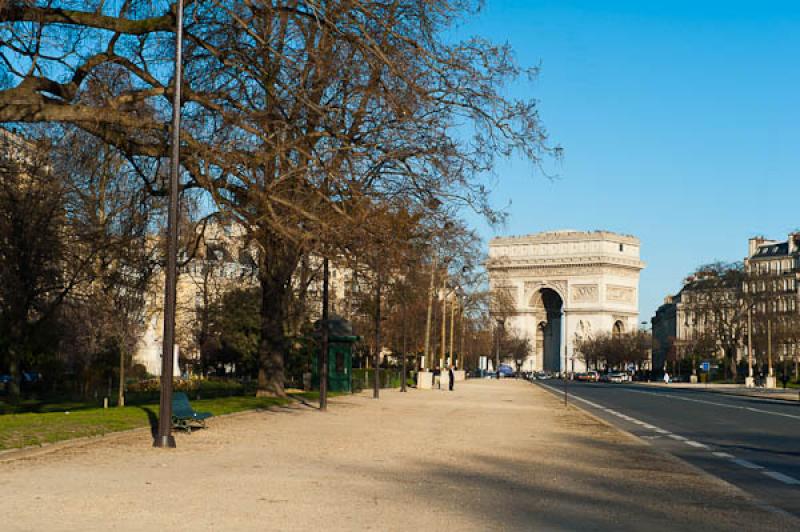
(164, 437)
(566, 348)
(750, 381)
(323, 356)
(443, 350)
(403, 369)
(428, 355)
(377, 361)
(461, 355)
(500, 324)
(452, 328)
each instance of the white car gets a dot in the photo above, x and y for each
(619, 377)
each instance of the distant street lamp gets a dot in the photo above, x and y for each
(750, 381)
(500, 325)
(428, 363)
(164, 437)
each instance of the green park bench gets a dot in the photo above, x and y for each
(184, 416)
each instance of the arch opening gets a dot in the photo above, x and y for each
(548, 332)
(618, 329)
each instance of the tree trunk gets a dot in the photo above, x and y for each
(278, 261)
(271, 377)
(732, 364)
(14, 385)
(121, 394)
(14, 355)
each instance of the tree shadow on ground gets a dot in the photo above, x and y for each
(577, 493)
(152, 419)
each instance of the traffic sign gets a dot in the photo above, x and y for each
(705, 366)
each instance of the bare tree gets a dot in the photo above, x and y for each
(298, 115)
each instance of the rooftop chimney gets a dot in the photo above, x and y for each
(753, 244)
(794, 243)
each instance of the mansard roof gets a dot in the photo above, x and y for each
(778, 249)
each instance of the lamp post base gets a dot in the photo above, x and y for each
(164, 441)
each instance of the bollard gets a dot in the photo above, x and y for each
(105, 402)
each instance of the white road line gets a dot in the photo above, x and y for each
(746, 463)
(786, 479)
(751, 409)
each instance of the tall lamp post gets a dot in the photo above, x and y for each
(428, 355)
(500, 324)
(750, 381)
(164, 437)
(323, 355)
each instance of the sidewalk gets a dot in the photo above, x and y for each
(790, 394)
(492, 455)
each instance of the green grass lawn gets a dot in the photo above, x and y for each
(21, 430)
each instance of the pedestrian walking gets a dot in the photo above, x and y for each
(451, 377)
(666, 378)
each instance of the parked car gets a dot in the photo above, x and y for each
(542, 375)
(619, 377)
(506, 371)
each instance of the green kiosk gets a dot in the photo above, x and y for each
(340, 355)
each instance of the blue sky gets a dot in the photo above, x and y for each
(680, 123)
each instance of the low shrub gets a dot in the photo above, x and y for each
(149, 390)
(363, 379)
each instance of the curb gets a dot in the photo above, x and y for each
(725, 392)
(34, 451)
(760, 503)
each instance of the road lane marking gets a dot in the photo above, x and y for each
(746, 463)
(703, 401)
(786, 479)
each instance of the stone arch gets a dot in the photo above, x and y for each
(539, 289)
(618, 329)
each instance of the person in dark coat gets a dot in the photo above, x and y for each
(451, 377)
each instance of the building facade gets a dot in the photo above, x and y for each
(772, 273)
(562, 287)
(223, 261)
(765, 295)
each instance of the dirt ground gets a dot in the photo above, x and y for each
(489, 456)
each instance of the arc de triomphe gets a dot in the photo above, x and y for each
(561, 286)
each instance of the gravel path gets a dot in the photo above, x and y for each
(493, 455)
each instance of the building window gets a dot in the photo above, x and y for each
(622, 247)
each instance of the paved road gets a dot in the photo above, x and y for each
(753, 443)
